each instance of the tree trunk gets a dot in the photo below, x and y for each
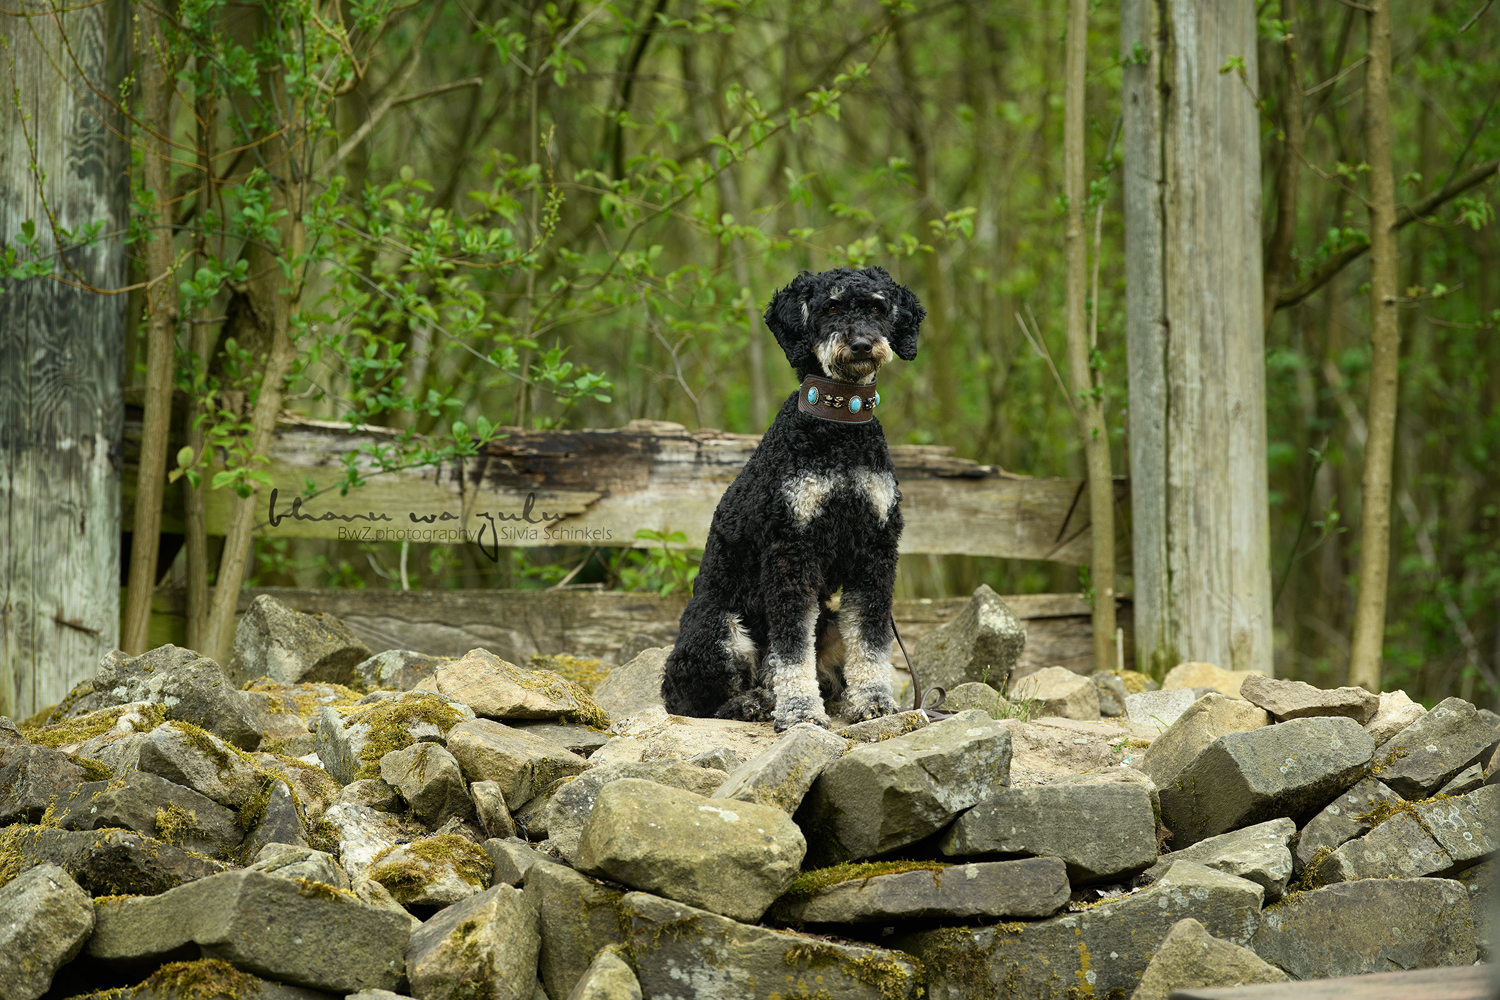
(158, 102)
(61, 415)
(1201, 543)
(1086, 401)
(1283, 238)
(1385, 337)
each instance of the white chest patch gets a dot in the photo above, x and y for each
(880, 489)
(806, 495)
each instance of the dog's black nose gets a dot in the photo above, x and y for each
(861, 347)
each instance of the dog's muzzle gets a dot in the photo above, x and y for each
(830, 399)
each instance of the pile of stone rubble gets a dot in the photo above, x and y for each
(313, 820)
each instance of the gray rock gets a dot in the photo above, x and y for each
(730, 857)
(199, 760)
(429, 779)
(1111, 693)
(377, 995)
(691, 954)
(1099, 950)
(314, 787)
(1396, 712)
(512, 860)
(276, 715)
(490, 809)
(982, 643)
(1189, 956)
(181, 980)
(579, 917)
(263, 924)
(1397, 848)
(279, 824)
(1291, 769)
(1058, 691)
(575, 737)
(433, 871)
(1466, 827)
(32, 779)
(273, 640)
(1203, 721)
(1286, 699)
(46, 918)
(522, 764)
(190, 687)
(635, 645)
(373, 793)
(569, 806)
(609, 977)
(883, 728)
(781, 776)
(111, 862)
(1480, 881)
(1204, 678)
(498, 689)
(1160, 707)
(634, 686)
(992, 890)
(10, 733)
(350, 746)
(1258, 853)
(155, 807)
(1374, 925)
(885, 795)
(1430, 752)
(973, 694)
(1343, 819)
(485, 946)
(119, 752)
(1466, 781)
(300, 862)
(362, 834)
(397, 670)
(717, 759)
(1102, 830)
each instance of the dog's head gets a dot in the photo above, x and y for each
(844, 324)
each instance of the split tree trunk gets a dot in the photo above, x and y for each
(1201, 542)
(1385, 336)
(1085, 402)
(158, 101)
(61, 415)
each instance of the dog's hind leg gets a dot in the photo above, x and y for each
(865, 624)
(712, 662)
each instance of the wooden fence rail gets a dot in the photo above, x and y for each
(599, 487)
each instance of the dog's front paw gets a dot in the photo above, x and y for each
(789, 712)
(870, 702)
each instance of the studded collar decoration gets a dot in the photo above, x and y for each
(846, 402)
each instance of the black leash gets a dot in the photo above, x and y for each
(935, 711)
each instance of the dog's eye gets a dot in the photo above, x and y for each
(832, 310)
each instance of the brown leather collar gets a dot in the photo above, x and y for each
(843, 401)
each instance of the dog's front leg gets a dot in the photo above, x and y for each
(791, 664)
(865, 624)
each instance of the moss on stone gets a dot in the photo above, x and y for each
(254, 809)
(309, 698)
(59, 734)
(389, 723)
(175, 825)
(428, 856)
(884, 972)
(313, 889)
(93, 770)
(808, 884)
(580, 670)
(324, 836)
(205, 979)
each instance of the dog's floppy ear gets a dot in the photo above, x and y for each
(786, 317)
(907, 311)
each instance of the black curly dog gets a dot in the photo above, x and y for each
(815, 510)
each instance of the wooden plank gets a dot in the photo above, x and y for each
(599, 487)
(1468, 982)
(587, 621)
(60, 351)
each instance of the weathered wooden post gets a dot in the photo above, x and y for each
(60, 349)
(1200, 542)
